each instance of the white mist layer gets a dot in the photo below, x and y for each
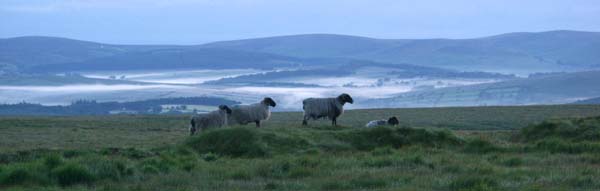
(175, 77)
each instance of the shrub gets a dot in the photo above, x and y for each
(149, 169)
(72, 174)
(280, 143)
(52, 161)
(379, 162)
(512, 162)
(584, 129)
(300, 172)
(154, 165)
(382, 151)
(474, 183)
(104, 168)
(16, 176)
(310, 162)
(369, 139)
(335, 185)
(368, 182)
(234, 142)
(276, 169)
(270, 186)
(582, 182)
(25, 173)
(556, 145)
(240, 175)
(481, 146)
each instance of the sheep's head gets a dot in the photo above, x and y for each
(393, 121)
(345, 98)
(225, 108)
(269, 102)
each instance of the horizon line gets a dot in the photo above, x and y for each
(298, 34)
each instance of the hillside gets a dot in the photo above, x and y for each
(176, 58)
(508, 53)
(56, 80)
(588, 101)
(544, 51)
(553, 89)
(29, 51)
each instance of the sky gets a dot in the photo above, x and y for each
(202, 21)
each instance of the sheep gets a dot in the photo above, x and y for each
(393, 121)
(257, 112)
(216, 118)
(315, 108)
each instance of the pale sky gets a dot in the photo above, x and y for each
(201, 21)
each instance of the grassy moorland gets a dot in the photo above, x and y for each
(471, 148)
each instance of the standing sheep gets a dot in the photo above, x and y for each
(391, 121)
(315, 108)
(216, 118)
(244, 114)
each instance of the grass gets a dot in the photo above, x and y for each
(156, 153)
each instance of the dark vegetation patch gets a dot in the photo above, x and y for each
(249, 142)
(481, 146)
(467, 183)
(575, 130)
(369, 139)
(564, 136)
(234, 142)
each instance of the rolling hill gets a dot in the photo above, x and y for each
(595, 100)
(176, 58)
(520, 52)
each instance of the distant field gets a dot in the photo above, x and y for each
(470, 148)
(148, 131)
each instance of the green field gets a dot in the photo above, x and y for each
(468, 148)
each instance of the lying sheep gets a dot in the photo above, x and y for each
(393, 121)
(244, 114)
(315, 108)
(216, 118)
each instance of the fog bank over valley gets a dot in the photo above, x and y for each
(552, 67)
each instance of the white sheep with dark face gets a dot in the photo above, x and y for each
(332, 108)
(392, 121)
(253, 113)
(212, 119)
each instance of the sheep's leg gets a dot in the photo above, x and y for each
(304, 122)
(192, 127)
(257, 123)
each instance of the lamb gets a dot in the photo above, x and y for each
(315, 108)
(257, 112)
(204, 121)
(393, 121)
